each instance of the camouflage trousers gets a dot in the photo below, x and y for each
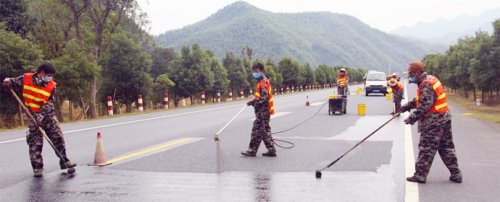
(437, 139)
(397, 105)
(35, 141)
(261, 132)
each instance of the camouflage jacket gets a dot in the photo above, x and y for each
(397, 94)
(47, 110)
(261, 105)
(426, 120)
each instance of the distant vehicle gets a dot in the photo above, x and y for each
(375, 82)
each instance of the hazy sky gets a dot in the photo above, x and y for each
(385, 15)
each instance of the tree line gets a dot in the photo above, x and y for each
(471, 66)
(101, 48)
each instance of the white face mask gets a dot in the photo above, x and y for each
(47, 79)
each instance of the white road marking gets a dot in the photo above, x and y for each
(276, 115)
(317, 104)
(411, 188)
(134, 121)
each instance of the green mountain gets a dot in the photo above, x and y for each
(311, 37)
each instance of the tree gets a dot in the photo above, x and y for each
(74, 68)
(17, 56)
(15, 14)
(191, 72)
(106, 15)
(236, 72)
(309, 76)
(126, 71)
(290, 69)
(221, 82)
(161, 58)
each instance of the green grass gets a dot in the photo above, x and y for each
(489, 113)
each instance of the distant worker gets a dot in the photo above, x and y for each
(39, 95)
(434, 124)
(397, 90)
(342, 82)
(263, 104)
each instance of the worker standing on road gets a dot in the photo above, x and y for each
(39, 95)
(434, 124)
(264, 107)
(397, 90)
(342, 82)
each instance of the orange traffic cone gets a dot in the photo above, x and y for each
(100, 157)
(307, 102)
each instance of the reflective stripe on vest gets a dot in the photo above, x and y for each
(440, 105)
(36, 96)
(266, 85)
(342, 80)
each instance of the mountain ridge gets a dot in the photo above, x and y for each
(311, 37)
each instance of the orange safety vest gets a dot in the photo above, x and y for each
(440, 105)
(398, 87)
(342, 81)
(36, 96)
(266, 85)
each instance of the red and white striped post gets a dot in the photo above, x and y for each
(218, 96)
(241, 94)
(251, 93)
(230, 95)
(110, 106)
(202, 97)
(293, 89)
(165, 100)
(287, 89)
(139, 103)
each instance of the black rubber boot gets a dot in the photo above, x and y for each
(68, 165)
(456, 178)
(415, 179)
(249, 153)
(269, 154)
(38, 172)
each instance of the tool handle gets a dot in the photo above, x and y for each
(34, 121)
(234, 117)
(364, 139)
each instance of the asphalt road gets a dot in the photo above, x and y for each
(171, 156)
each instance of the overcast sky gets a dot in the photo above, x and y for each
(385, 15)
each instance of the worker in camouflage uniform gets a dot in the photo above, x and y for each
(342, 82)
(434, 124)
(39, 95)
(397, 90)
(264, 107)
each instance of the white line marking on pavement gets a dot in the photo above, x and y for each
(134, 121)
(411, 188)
(317, 104)
(276, 115)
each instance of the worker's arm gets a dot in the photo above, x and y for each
(15, 83)
(427, 100)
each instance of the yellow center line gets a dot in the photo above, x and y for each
(139, 153)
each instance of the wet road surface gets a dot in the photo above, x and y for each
(171, 156)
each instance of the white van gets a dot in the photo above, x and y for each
(375, 82)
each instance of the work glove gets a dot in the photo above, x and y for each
(7, 83)
(404, 108)
(38, 119)
(410, 120)
(251, 102)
